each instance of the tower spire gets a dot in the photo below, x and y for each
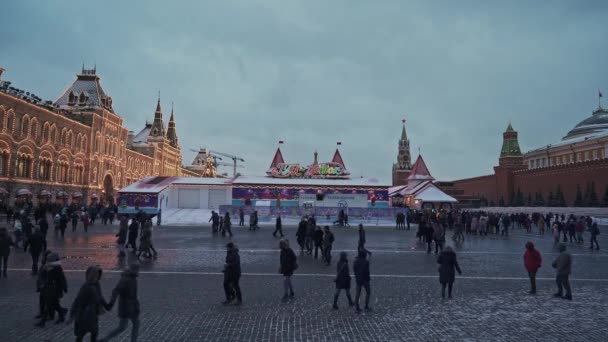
(171, 132)
(158, 126)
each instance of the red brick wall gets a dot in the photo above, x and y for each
(566, 176)
(484, 186)
(541, 180)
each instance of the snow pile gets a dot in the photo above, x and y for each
(185, 217)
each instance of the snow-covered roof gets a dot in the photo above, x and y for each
(149, 185)
(142, 136)
(432, 193)
(202, 181)
(370, 182)
(158, 184)
(420, 171)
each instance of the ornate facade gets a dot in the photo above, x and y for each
(401, 169)
(77, 146)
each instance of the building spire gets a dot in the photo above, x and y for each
(171, 132)
(158, 126)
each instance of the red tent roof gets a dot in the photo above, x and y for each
(420, 171)
(338, 158)
(278, 159)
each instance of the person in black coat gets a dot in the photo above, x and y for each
(362, 240)
(232, 275)
(5, 250)
(128, 303)
(227, 225)
(288, 265)
(318, 240)
(37, 245)
(362, 278)
(133, 232)
(301, 234)
(53, 286)
(87, 306)
(278, 226)
(44, 225)
(428, 235)
(342, 280)
(447, 264)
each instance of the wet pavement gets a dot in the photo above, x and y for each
(181, 290)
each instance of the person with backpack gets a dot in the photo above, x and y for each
(532, 261)
(342, 281)
(128, 303)
(328, 240)
(595, 231)
(288, 265)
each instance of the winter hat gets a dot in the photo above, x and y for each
(529, 245)
(230, 245)
(562, 247)
(134, 267)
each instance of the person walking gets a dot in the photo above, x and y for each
(123, 230)
(44, 225)
(278, 226)
(128, 303)
(438, 236)
(362, 278)
(133, 232)
(447, 264)
(595, 231)
(342, 280)
(75, 219)
(88, 305)
(232, 275)
(328, 240)
(241, 217)
(53, 287)
(532, 261)
(563, 266)
(37, 245)
(429, 232)
(215, 221)
(227, 225)
(5, 250)
(318, 240)
(301, 234)
(145, 240)
(85, 221)
(362, 240)
(40, 281)
(288, 265)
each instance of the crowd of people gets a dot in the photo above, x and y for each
(432, 226)
(51, 283)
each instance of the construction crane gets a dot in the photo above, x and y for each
(234, 158)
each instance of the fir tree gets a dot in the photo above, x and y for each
(541, 200)
(529, 203)
(559, 197)
(605, 200)
(551, 200)
(501, 202)
(587, 196)
(593, 201)
(578, 202)
(519, 199)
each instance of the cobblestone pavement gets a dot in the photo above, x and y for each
(182, 289)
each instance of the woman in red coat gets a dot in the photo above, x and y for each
(532, 261)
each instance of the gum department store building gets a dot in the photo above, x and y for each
(77, 148)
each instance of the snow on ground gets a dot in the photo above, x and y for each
(600, 215)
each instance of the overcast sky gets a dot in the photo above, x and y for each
(245, 74)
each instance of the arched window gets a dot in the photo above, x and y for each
(25, 125)
(34, 129)
(4, 158)
(84, 143)
(10, 118)
(71, 99)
